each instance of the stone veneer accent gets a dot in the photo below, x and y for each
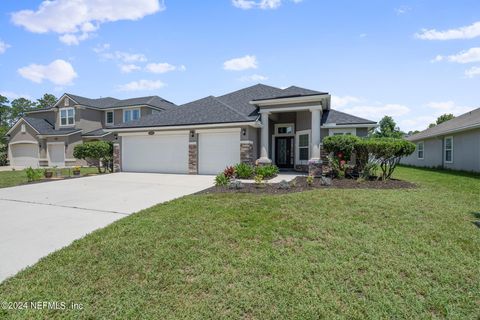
(116, 158)
(246, 152)
(192, 158)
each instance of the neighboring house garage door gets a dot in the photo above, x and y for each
(161, 152)
(24, 155)
(56, 154)
(217, 150)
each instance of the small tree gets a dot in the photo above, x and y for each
(342, 147)
(388, 129)
(388, 152)
(98, 153)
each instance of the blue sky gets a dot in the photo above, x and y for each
(413, 60)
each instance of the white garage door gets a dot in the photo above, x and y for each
(165, 153)
(56, 154)
(217, 150)
(24, 155)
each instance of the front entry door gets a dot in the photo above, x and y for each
(284, 156)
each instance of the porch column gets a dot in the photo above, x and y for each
(315, 163)
(264, 140)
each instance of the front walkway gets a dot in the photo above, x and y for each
(38, 219)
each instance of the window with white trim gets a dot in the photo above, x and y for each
(448, 149)
(109, 117)
(420, 148)
(302, 145)
(67, 116)
(131, 114)
(283, 129)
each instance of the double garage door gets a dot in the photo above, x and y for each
(169, 152)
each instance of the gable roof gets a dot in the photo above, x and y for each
(293, 92)
(208, 110)
(342, 118)
(463, 122)
(44, 127)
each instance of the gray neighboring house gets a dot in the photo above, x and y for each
(454, 144)
(47, 137)
(260, 124)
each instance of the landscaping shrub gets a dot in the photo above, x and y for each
(229, 172)
(98, 153)
(342, 146)
(244, 170)
(33, 174)
(267, 171)
(221, 180)
(370, 154)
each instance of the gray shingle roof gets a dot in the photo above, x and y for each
(95, 133)
(291, 92)
(333, 116)
(46, 128)
(109, 102)
(204, 111)
(462, 122)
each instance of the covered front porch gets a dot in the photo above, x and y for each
(290, 134)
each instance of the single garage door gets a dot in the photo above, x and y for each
(24, 155)
(56, 154)
(165, 153)
(217, 150)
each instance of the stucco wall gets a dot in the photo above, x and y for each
(29, 135)
(89, 119)
(118, 114)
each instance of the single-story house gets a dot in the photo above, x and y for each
(454, 144)
(259, 124)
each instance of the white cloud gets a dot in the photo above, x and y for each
(239, 64)
(253, 78)
(127, 68)
(472, 72)
(76, 20)
(340, 102)
(102, 48)
(124, 56)
(419, 123)
(467, 56)
(439, 108)
(402, 10)
(468, 32)
(377, 112)
(59, 72)
(261, 4)
(142, 85)
(3, 47)
(160, 67)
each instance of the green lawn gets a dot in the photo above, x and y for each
(17, 177)
(335, 253)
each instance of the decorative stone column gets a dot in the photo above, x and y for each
(192, 158)
(315, 162)
(246, 152)
(117, 163)
(264, 140)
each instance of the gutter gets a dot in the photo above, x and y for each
(470, 127)
(179, 127)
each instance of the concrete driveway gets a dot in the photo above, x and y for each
(38, 219)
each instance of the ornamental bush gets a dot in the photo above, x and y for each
(99, 153)
(267, 171)
(341, 146)
(244, 170)
(370, 153)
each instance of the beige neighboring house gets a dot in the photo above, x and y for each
(47, 137)
(454, 144)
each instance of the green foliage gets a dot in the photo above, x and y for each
(244, 170)
(18, 107)
(342, 146)
(46, 101)
(33, 174)
(310, 181)
(388, 129)
(258, 179)
(267, 171)
(221, 180)
(443, 118)
(383, 152)
(99, 153)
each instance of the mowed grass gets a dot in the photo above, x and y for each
(18, 177)
(330, 254)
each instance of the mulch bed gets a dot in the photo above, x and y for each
(300, 185)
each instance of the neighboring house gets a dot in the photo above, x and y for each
(47, 137)
(259, 123)
(454, 144)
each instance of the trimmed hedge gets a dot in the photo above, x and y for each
(101, 152)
